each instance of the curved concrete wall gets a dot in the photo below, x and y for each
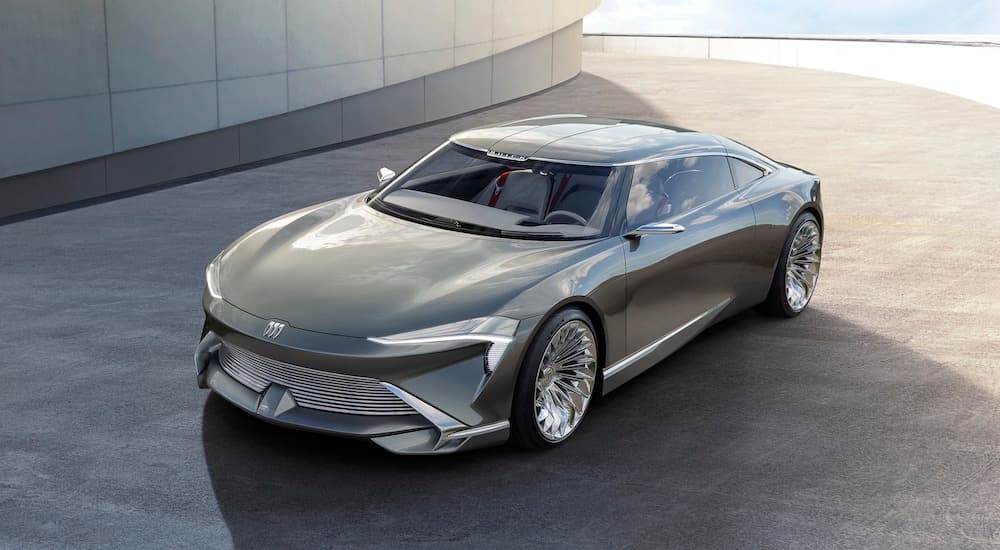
(966, 69)
(155, 90)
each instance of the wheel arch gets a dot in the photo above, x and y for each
(597, 320)
(811, 208)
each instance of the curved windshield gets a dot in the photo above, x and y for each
(466, 190)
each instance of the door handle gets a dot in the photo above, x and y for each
(656, 228)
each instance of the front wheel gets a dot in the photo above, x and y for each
(797, 271)
(556, 383)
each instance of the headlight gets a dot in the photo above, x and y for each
(212, 278)
(498, 332)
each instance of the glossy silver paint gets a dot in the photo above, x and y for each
(351, 276)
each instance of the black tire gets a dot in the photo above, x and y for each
(524, 427)
(776, 303)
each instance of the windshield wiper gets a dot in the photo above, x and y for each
(452, 223)
(443, 222)
(512, 233)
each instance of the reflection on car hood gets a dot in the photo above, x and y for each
(344, 268)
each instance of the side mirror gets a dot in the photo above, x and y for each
(385, 176)
(655, 228)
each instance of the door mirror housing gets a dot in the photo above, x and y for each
(655, 228)
(384, 176)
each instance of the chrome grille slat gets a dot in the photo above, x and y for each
(316, 377)
(275, 371)
(311, 388)
(318, 382)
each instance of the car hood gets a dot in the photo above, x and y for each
(344, 268)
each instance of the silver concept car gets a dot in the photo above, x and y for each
(496, 287)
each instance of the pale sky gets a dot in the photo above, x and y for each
(795, 17)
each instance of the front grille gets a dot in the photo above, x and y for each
(311, 388)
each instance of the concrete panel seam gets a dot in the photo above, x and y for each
(327, 66)
(54, 98)
(407, 54)
(215, 40)
(381, 24)
(166, 86)
(111, 111)
(275, 73)
(288, 88)
(552, 55)
(239, 143)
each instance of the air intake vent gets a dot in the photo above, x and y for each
(311, 388)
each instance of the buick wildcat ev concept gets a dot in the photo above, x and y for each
(498, 286)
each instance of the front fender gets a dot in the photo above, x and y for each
(597, 281)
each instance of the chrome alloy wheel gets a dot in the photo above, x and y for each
(565, 380)
(802, 269)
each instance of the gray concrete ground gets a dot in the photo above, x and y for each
(873, 420)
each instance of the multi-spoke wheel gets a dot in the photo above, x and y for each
(557, 380)
(802, 266)
(565, 380)
(798, 269)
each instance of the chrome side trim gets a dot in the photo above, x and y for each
(451, 433)
(480, 430)
(442, 421)
(631, 359)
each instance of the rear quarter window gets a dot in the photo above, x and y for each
(744, 172)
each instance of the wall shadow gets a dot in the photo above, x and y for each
(760, 432)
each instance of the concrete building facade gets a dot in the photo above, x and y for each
(104, 96)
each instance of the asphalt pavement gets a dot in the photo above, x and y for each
(872, 420)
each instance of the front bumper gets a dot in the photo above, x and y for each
(453, 404)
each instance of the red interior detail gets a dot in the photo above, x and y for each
(498, 188)
(558, 194)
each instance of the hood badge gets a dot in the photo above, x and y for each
(506, 156)
(273, 329)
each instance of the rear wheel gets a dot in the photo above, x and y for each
(556, 383)
(797, 271)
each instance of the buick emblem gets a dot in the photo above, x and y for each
(273, 329)
(506, 156)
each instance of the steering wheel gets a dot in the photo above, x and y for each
(565, 213)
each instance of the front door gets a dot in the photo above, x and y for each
(678, 283)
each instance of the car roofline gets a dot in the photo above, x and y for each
(767, 167)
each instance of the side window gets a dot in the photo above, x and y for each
(670, 188)
(744, 173)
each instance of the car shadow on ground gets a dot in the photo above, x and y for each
(760, 432)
